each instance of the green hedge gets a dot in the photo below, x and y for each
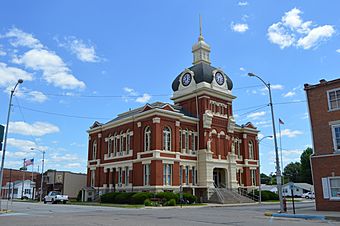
(141, 197)
(265, 195)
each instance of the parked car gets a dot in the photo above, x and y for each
(308, 195)
(55, 197)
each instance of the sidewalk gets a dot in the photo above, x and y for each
(310, 213)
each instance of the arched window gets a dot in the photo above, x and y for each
(128, 141)
(94, 150)
(166, 139)
(109, 145)
(187, 141)
(147, 139)
(121, 143)
(115, 144)
(251, 150)
(193, 142)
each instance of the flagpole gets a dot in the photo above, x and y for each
(31, 184)
(23, 180)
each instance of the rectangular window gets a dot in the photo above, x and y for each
(334, 184)
(336, 137)
(193, 142)
(128, 143)
(146, 174)
(194, 175)
(253, 177)
(167, 174)
(120, 175)
(187, 175)
(127, 176)
(181, 175)
(187, 141)
(334, 99)
(180, 140)
(28, 191)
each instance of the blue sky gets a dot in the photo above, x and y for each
(84, 61)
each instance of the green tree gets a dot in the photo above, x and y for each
(292, 171)
(305, 171)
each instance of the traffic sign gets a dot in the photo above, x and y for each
(2, 129)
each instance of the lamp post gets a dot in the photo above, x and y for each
(5, 140)
(278, 170)
(42, 173)
(260, 189)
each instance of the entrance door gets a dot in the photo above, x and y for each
(217, 179)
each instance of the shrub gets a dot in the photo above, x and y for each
(171, 202)
(166, 196)
(124, 197)
(265, 195)
(140, 197)
(108, 197)
(189, 198)
(147, 202)
(79, 196)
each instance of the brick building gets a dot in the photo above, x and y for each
(324, 110)
(193, 144)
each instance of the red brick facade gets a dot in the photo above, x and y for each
(325, 161)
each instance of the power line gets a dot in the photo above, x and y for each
(62, 114)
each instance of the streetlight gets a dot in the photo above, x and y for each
(6, 132)
(260, 190)
(278, 171)
(42, 172)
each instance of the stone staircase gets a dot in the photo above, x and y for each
(228, 196)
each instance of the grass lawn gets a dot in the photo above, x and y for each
(106, 204)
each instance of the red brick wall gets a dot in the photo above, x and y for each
(14, 175)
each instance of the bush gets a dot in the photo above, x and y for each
(108, 197)
(79, 196)
(147, 202)
(141, 197)
(166, 196)
(189, 198)
(171, 202)
(124, 197)
(265, 195)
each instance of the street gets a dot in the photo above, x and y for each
(39, 214)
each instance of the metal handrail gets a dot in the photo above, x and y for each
(218, 192)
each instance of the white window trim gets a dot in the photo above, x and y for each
(147, 139)
(94, 150)
(328, 100)
(251, 150)
(336, 150)
(166, 134)
(166, 174)
(146, 175)
(330, 191)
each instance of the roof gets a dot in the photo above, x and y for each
(304, 186)
(322, 82)
(136, 111)
(203, 73)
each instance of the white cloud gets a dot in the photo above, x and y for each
(256, 115)
(10, 75)
(289, 94)
(242, 69)
(33, 96)
(305, 116)
(315, 36)
(245, 3)
(54, 69)
(36, 129)
(20, 38)
(84, 52)
(2, 53)
(239, 27)
(290, 133)
(292, 31)
(132, 95)
(338, 50)
(143, 99)
(276, 87)
(24, 145)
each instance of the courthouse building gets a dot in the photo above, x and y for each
(192, 144)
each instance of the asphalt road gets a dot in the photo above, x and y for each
(27, 214)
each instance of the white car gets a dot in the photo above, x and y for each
(55, 197)
(308, 195)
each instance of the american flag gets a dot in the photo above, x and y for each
(28, 162)
(281, 122)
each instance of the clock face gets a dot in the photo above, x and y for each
(186, 79)
(219, 78)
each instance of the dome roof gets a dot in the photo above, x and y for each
(203, 72)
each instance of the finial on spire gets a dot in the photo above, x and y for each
(200, 38)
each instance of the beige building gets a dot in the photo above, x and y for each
(66, 182)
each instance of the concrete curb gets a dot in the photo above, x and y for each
(300, 216)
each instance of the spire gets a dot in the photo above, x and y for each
(201, 49)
